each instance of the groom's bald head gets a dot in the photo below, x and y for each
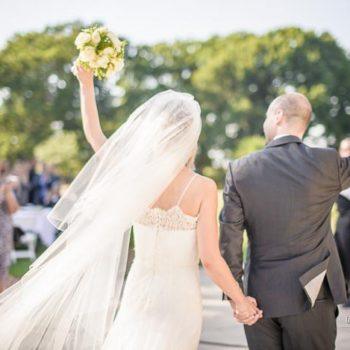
(289, 114)
(294, 106)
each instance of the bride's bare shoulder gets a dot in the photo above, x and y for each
(207, 185)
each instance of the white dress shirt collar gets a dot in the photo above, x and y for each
(279, 136)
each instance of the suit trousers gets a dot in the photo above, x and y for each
(314, 329)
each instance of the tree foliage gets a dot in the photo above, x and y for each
(37, 89)
(248, 144)
(60, 149)
(233, 77)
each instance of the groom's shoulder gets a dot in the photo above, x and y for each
(251, 158)
(322, 153)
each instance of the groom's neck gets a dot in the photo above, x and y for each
(288, 132)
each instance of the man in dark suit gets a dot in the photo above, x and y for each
(342, 234)
(283, 196)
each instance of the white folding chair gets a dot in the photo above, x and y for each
(29, 239)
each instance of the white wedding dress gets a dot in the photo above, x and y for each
(161, 308)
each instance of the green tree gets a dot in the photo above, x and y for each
(247, 145)
(62, 150)
(242, 73)
(37, 89)
(234, 78)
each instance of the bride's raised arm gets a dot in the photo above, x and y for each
(91, 121)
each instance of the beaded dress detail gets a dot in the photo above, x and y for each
(172, 219)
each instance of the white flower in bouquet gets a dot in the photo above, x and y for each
(119, 65)
(93, 64)
(103, 30)
(115, 40)
(108, 51)
(109, 72)
(87, 54)
(102, 61)
(100, 50)
(82, 39)
(95, 37)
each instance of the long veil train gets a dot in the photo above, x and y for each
(69, 297)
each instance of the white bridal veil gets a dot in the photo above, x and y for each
(70, 295)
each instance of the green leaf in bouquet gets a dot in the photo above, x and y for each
(104, 43)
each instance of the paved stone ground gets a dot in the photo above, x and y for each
(221, 332)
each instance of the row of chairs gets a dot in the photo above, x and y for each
(25, 243)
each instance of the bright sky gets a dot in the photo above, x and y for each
(143, 21)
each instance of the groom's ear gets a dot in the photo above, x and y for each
(279, 116)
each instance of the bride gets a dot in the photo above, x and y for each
(142, 176)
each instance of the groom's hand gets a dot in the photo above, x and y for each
(246, 311)
(253, 300)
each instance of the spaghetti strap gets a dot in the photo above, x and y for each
(185, 189)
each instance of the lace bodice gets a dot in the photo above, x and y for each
(170, 219)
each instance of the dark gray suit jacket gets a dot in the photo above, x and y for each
(283, 196)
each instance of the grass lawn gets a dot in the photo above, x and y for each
(19, 268)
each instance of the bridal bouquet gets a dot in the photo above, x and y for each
(100, 50)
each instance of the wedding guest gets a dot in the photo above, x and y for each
(53, 195)
(54, 185)
(54, 177)
(342, 235)
(39, 183)
(43, 184)
(21, 184)
(33, 183)
(8, 205)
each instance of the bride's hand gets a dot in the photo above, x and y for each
(247, 311)
(84, 76)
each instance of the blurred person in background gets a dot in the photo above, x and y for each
(8, 206)
(21, 185)
(43, 183)
(54, 184)
(53, 195)
(54, 177)
(342, 235)
(40, 180)
(33, 182)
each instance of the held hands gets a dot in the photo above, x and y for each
(246, 311)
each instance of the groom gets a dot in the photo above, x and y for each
(283, 196)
